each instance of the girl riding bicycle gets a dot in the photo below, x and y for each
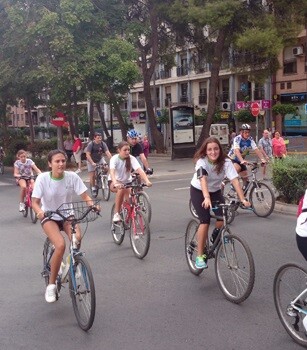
(210, 169)
(23, 166)
(51, 190)
(121, 166)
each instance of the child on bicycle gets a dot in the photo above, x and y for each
(121, 166)
(51, 190)
(23, 166)
(211, 168)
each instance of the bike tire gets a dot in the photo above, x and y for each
(236, 277)
(82, 292)
(190, 246)
(140, 235)
(262, 200)
(117, 229)
(144, 204)
(47, 252)
(105, 188)
(1, 168)
(25, 211)
(290, 280)
(33, 216)
(192, 209)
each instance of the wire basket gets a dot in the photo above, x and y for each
(79, 211)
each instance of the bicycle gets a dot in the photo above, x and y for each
(133, 219)
(101, 179)
(28, 198)
(141, 196)
(259, 194)
(290, 298)
(234, 263)
(76, 271)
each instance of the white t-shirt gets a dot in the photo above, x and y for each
(121, 174)
(25, 169)
(301, 223)
(53, 193)
(214, 180)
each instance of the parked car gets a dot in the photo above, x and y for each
(183, 122)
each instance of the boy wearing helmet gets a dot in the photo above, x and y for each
(136, 149)
(242, 144)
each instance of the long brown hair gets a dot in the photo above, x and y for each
(202, 153)
(128, 160)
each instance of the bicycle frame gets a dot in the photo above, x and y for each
(131, 207)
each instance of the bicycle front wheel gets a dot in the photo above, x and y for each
(82, 292)
(25, 211)
(47, 253)
(289, 282)
(33, 216)
(144, 203)
(234, 268)
(140, 235)
(105, 188)
(190, 246)
(262, 199)
(117, 229)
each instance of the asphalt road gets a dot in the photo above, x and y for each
(151, 304)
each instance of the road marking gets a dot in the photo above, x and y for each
(181, 188)
(173, 180)
(5, 184)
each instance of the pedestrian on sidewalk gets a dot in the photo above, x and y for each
(266, 148)
(279, 146)
(77, 150)
(68, 144)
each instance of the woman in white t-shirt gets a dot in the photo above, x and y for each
(210, 169)
(51, 190)
(301, 226)
(23, 166)
(121, 166)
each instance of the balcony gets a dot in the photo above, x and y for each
(164, 74)
(181, 71)
(259, 94)
(202, 99)
(184, 99)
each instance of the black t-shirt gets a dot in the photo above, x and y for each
(136, 150)
(97, 150)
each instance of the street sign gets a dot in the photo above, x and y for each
(255, 109)
(59, 120)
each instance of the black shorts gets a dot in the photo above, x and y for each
(197, 198)
(242, 166)
(302, 245)
(60, 223)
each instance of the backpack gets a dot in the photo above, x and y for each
(300, 207)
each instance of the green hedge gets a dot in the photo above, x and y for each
(290, 177)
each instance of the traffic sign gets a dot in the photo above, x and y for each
(59, 120)
(255, 109)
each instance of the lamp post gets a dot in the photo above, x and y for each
(262, 113)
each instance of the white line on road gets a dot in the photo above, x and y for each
(181, 188)
(173, 180)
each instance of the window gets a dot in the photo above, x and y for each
(289, 85)
(289, 63)
(282, 86)
(202, 99)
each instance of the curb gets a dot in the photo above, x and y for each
(289, 209)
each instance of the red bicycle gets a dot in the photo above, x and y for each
(28, 198)
(133, 219)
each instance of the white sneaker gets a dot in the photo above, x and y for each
(116, 217)
(21, 206)
(50, 294)
(78, 171)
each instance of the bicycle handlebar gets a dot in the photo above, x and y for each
(72, 217)
(23, 177)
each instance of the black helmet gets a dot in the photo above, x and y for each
(245, 127)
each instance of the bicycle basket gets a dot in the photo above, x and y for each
(78, 211)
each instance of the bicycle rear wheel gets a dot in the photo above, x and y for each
(82, 292)
(289, 282)
(140, 235)
(190, 246)
(234, 268)
(144, 203)
(105, 188)
(47, 253)
(262, 200)
(117, 229)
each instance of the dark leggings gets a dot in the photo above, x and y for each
(302, 245)
(197, 198)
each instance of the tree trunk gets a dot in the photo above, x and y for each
(118, 114)
(91, 119)
(102, 119)
(31, 127)
(148, 67)
(214, 80)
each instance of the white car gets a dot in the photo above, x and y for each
(183, 122)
